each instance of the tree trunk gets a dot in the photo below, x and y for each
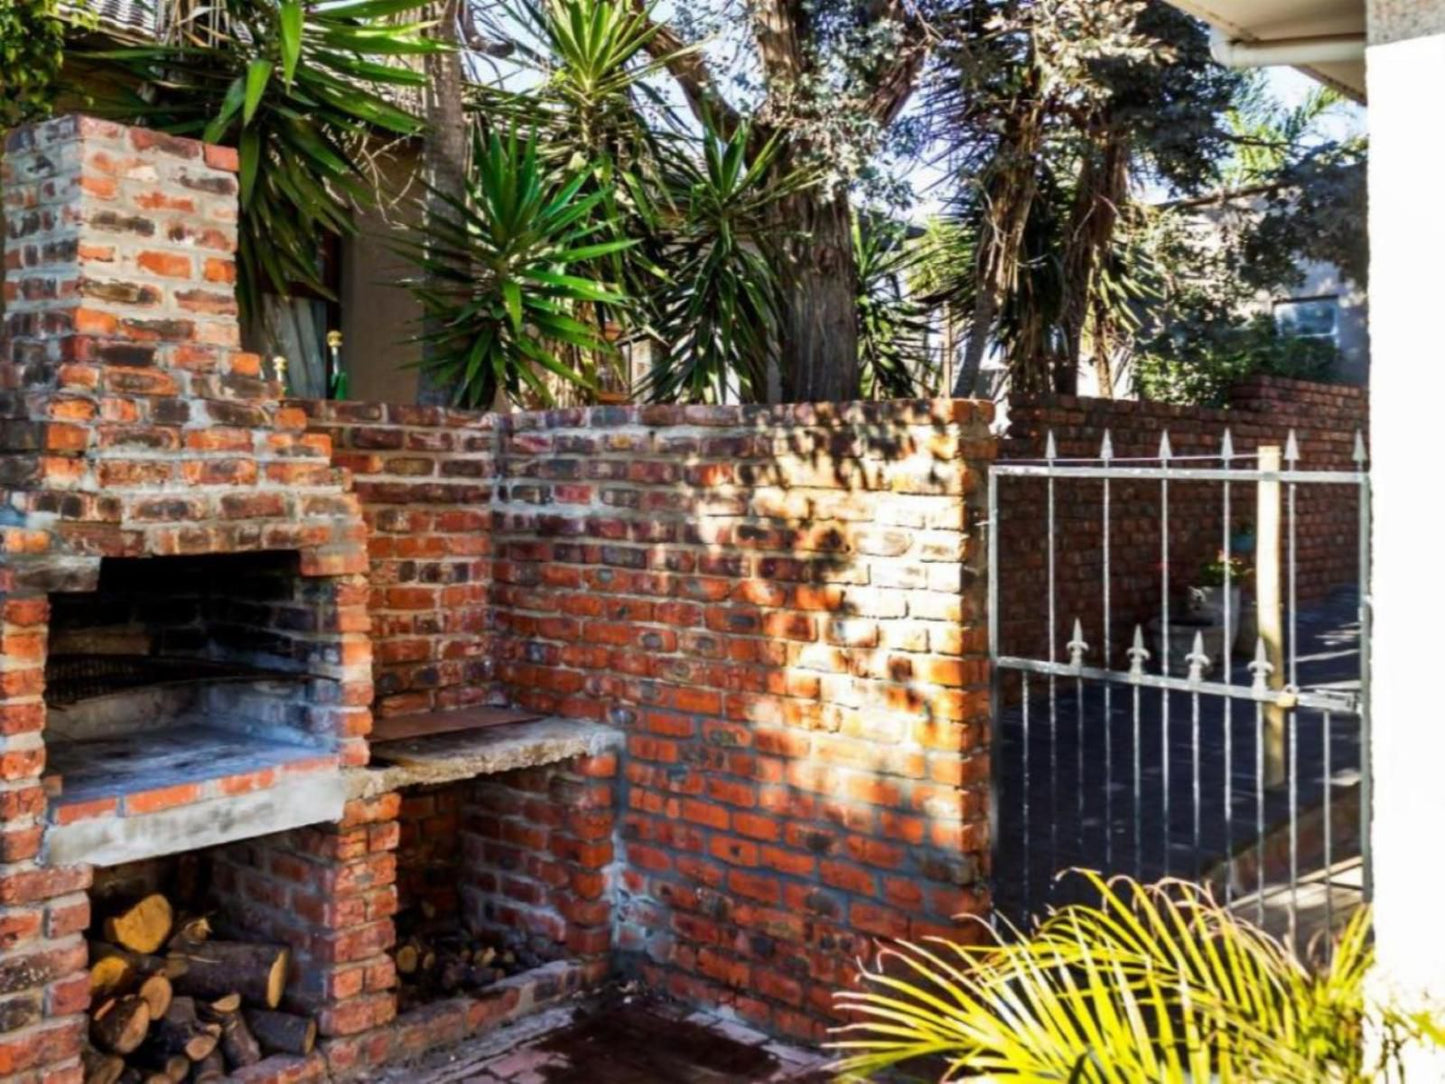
(980, 329)
(1103, 187)
(818, 333)
(1010, 199)
(444, 162)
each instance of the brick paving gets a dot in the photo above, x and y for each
(619, 1043)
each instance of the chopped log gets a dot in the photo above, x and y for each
(138, 963)
(155, 991)
(120, 1024)
(282, 1032)
(217, 968)
(142, 927)
(109, 975)
(408, 958)
(101, 1068)
(181, 1031)
(209, 1070)
(237, 1042)
(229, 1003)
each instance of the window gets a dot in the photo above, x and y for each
(1309, 317)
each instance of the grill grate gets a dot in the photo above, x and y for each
(70, 679)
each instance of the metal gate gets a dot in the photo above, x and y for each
(1135, 743)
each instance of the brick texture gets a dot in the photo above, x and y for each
(537, 862)
(132, 425)
(1325, 418)
(424, 479)
(782, 608)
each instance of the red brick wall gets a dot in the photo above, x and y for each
(1325, 419)
(538, 857)
(782, 608)
(131, 424)
(525, 856)
(424, 478)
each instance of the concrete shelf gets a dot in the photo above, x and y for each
(128, 797)
(447, 758)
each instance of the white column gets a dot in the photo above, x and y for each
(1407, 326)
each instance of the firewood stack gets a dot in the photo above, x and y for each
(435, 962)
(170, 1003)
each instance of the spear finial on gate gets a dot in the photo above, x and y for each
(1077, 647)
(1197, 660)
(1360, 455)
(1051, 450)
(1261, 667)
(1137, 654)
(1166, 453)
(1226, 447)
(1106, 450)
(1291, 449)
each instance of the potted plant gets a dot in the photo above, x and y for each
(1206, 596)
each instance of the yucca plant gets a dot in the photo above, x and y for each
(587, 66)
(717, 309)
(302, 91)
(893, 358)
(506, 272)
(1156, 984)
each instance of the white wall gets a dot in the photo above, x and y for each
(1407, 232)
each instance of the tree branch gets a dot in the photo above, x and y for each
(780, 28)
(689, 68)
(895, 83)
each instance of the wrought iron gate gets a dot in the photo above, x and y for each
(1122, 746)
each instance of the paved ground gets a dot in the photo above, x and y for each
(618, 1042)
(1067, 778)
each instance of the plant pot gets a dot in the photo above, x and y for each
(1208, 602)
(1182, 631)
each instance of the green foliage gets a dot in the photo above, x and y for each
(300, 91)
(1052, 112)
(32, 50)
(1155, 985)
(506, 271)
(1197, 362)
(716, 306)
(687, 208)
(892, 323)
(1315, 212)
(1200, 336)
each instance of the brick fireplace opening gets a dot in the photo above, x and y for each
(503, 874)
(183, 680)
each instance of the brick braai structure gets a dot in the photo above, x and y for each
(783, 610)
(134, 428)
(756, 636)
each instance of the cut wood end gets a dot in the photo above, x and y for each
(109, 975)
(276, 980)
(142, 927)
